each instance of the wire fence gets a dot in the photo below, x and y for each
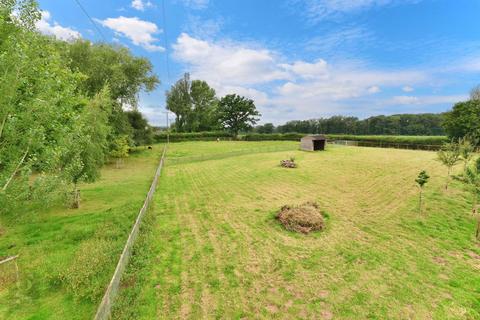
(393, 145)
(105, 307)
(224, 155)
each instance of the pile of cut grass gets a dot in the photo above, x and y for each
(304, 218)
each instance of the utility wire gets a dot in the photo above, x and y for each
(165, 39)
(91, 20)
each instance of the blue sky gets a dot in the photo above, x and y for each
(298, 59)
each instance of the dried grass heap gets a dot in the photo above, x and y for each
(304, 218)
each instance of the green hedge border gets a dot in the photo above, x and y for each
(207, 136)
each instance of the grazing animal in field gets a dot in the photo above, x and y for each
(150, 148)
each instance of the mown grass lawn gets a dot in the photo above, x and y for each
(67, 256)
(211, 248)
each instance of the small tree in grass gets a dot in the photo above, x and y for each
(449, 156)
(472, 178)
(120, 150)
(467, 149)
(421, 181)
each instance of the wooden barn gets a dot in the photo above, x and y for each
(313, 142)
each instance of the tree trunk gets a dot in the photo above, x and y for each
(16, 169)
(3, 124)
(477, 233)
(448, 179)
(420, 202)
(76, 197)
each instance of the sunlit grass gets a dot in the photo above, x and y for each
(59, 247)
(211, 248)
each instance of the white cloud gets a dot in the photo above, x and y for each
(202, 28)
(140, 32)
(63, 33)
(317, 10)
(141, 5)
(347, 38)
(306, 70)
(301, 89)
(226, 62)
(407, 89)
(196, 4)
(422, 100)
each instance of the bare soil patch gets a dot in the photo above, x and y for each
(304, 218)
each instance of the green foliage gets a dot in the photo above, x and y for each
(472, 178)
(192, 136)
(265, 128)
(142, 132)
(194, 105)
(237, 113)
(61, 105)
(467, 150)
(103, 64)
(449, 156)
(120, 149)
(82, 162)
(400, 124)
(463, 120)
(417, 140)
(422, 178)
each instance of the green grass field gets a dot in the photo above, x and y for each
(67, 256)
(210, 247)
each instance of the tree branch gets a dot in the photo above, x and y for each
(16, 169)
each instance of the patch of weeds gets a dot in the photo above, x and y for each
(83, 278)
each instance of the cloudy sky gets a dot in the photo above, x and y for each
(297, 59)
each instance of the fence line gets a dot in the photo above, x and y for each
(105, 307)
(223, 155)
(381, 144)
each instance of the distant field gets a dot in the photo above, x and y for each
(210, 247)
(67, 257)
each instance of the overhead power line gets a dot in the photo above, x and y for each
(165, 39)
(91, 20)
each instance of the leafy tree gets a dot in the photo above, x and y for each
(38, 99)
(83, 161)
(467, 149)
(194, 105)
(463, 120)
(237, 113)
(180, 102)
(142, 132)
(120, 150)
(103, 64)
(421, 180)
(266, 128)
(204, 103)
(449, 156)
